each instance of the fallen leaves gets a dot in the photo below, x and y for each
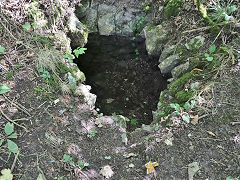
(211, 133)
(192, 169)
(6, 174)
(106, 171)
(150, 167)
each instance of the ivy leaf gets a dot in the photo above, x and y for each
(176, 107)
(209, 58)
(27, 26)
(12, 146)
(4, 89)
(2, 49)
(13, 136)
(67, 158)
(9, 128)
(212, 49)
(186, 118)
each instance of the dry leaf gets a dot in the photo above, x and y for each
(211, 133)
(192, 169)
(106, 171)
(150, 167)
(130, 155)
(194, 120)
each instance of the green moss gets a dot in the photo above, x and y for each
(178, 85)
(173, 8)
(183, 96)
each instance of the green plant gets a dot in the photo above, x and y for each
(69, 57)
(222, 11)
(44, 74)
(133, 122)
(27, 26)
(91, 134)
(68, 159)
(173, 8)
(78, 51)
(4, 88)
(208, 56)
(82, 165)
(9, 75)
(2, 49)
(10, 134)
(180, 111)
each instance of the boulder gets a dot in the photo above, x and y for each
(78, 32)
(180, 70)
(167, 51)
(89, 98)
(156, 38)
(169, 63)
(195, 43)
(106, 19)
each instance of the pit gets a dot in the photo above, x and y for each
(126, 81)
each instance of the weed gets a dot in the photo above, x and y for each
(69, 160)
(91, 134)
(78, 51)
(69, 57)
(2, 49)
(222, 11)
(44, 74)
(9, 75)
(4, 89)
(173, 8)
(133, 122)
(208, 56)
(180, 111)
(10, 134)
(27, 26)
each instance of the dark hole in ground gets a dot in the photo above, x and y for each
(123, 85)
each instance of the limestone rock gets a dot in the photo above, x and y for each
(80, 76)
(167, 51)
(156, 37)
(84, 90)
(169, 63)
(106, 21)
(180, 70)
(195, 43)
(78, 32)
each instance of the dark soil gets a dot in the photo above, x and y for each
(123, 84)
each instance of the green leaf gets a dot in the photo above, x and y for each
(107, 157)
(78, 51)
(186, 118)
(67, 158)
(12, 146)
(206, 55)
(133, 122)
(40, 70)
(187, 106)
(209, 58)
(229, 178)
(1, 142)
(86, 164)
(176, 107)
(159, 104)
(13, 136)
(27, 26)
(4, 89)
(2, 49)
(212, 49)
(9, 128)
(68, 56)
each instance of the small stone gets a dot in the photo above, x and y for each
(168, 64)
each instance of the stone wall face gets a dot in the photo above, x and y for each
(110, 17)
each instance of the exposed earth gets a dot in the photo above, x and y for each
(61, 136)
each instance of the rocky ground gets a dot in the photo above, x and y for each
(59, 136)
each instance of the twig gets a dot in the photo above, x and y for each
(12, 120)
(235, 123)
(15, 160)
(19, 106)
(21, 119)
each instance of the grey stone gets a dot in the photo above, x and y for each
(156, 37)
(106, 21)
(169, 63)
(78, 31)
(195, 43)
(180, 70)
(167, 51)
